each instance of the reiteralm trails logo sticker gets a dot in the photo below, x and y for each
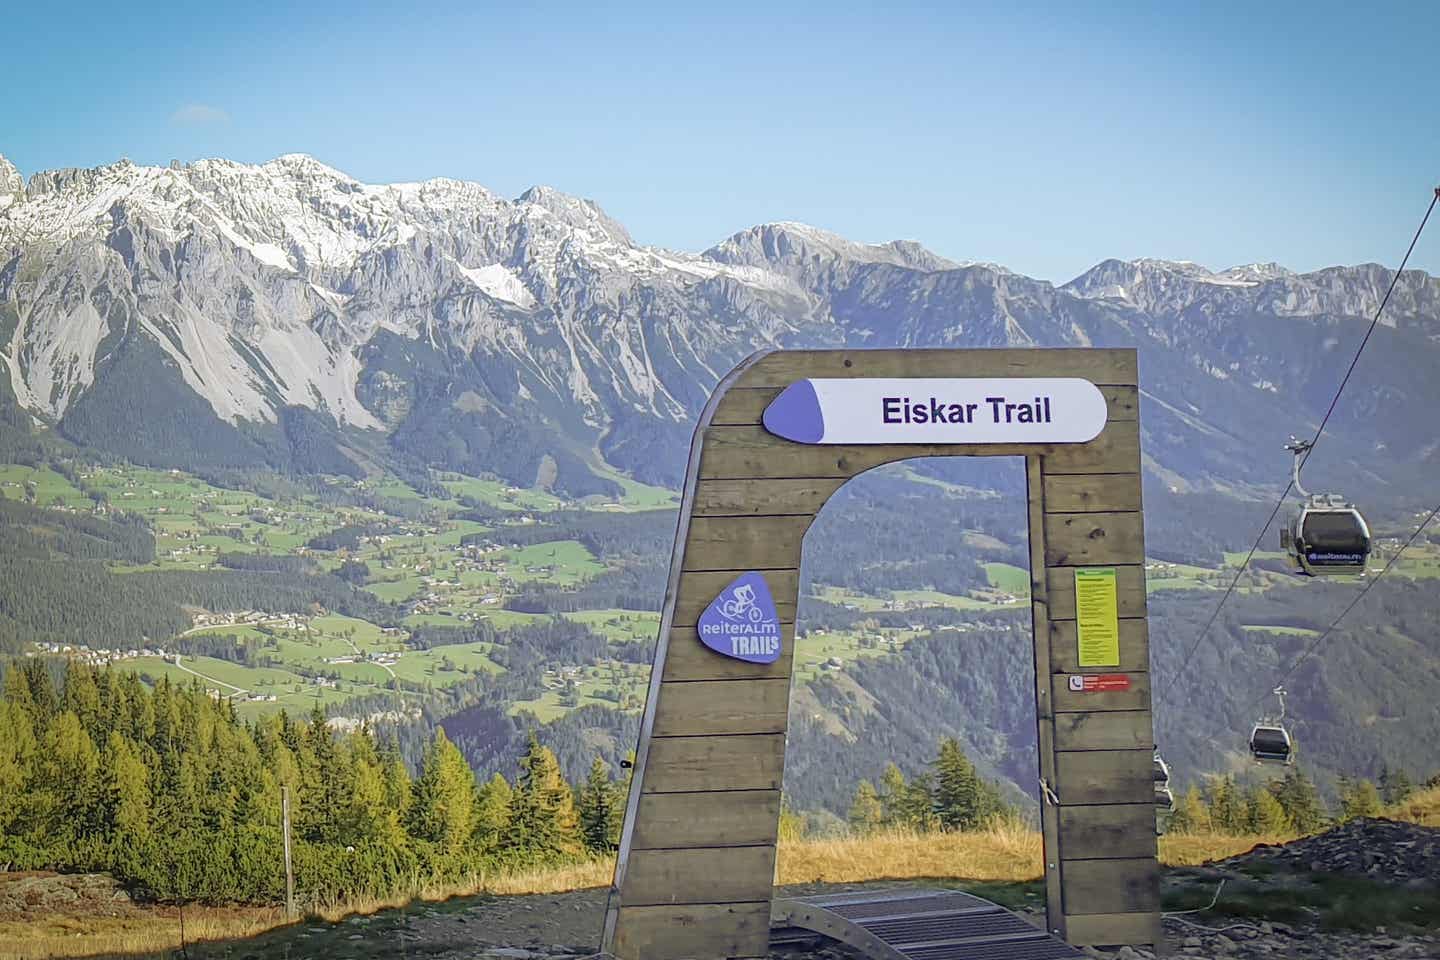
(742, 622)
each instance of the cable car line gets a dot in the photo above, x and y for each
(1304, 457)
(1315, 644)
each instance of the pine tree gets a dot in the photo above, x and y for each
(1227, 808)
(1300, 800)
(866, 813)
(444, 804)
(1191, 815)
(1358, 798)
(127, 789)
(917, 808)
(1395, 786)
(17, 759)
(957, 800)
(543, 822)
(1263, 813)
(892, 797)
(492, 810)
(597, 808)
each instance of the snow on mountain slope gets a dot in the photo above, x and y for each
(468, 327)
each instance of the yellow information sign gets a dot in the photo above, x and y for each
(1097, 617)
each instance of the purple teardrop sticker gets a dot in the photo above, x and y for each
(742, 622)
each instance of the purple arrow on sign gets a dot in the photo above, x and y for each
(742, 622)
(795, 414)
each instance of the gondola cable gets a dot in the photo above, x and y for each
(1354, 601)
(1305, 457)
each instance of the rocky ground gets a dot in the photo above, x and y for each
(1369, 889)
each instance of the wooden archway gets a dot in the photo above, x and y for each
(696, 864)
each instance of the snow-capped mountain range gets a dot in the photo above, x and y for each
(219, 313)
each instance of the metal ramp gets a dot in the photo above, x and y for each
(915, 925)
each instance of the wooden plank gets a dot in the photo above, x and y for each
(704, 875)
(1094, 539)
(699, 588)
(688, 659)
(1092, 493)
(1116, 450)
(1098, 365)
(1116, 929)
(693, 930)
(1066, 700)
(742, 405)
(745, 543)
(1116, 730)
(1129, 590)
(707, 707)
(1105, 776)
(1134, 647)
(748, 452)
(723, 818)
(1112, 886)
(1108, 831)
(1044, 716)
(733, 498)
(715, 763)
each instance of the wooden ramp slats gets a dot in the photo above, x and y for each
(918, 925)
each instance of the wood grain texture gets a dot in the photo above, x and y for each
(1115, 929)
(1129, 590)
(731, 498)
(1116, 450)
(1065, 700)
(1118, 730)
(1108, 831)
(723, 818)
(699, 588)
(1092, 493)
(1044, 718)
(1134, 647)
(745, 543)
(688, 659)
(709, 707)
(1094, 539)
(1105, 776)
(691, 930)
(1111, 886)
(715, 763)
(1099, 366)
(704, 875)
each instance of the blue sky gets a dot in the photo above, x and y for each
(1044, 137)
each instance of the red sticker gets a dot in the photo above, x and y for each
(1099, 683)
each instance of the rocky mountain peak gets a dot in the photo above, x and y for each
(576, 212)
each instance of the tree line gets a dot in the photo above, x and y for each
(951, 795)
(1290, 804)
(171, 792)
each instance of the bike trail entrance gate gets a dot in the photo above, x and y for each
(696, 863)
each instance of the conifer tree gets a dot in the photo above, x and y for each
(597, 805)
(127, 789)
(1227, 807)
(1263, 813)
(1300, 800)
(957, 800)
(917, 808)
(492, 810)
(1395, 786)
(1358, 798)
(17, 758)
(1191, 814)
(444, 801)
(866, 813)
(892, 797)
(543, 820)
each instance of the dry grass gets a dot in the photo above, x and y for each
(1423, 807)
(1007, 851)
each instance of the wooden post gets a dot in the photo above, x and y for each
(289, 867)
(696, 863)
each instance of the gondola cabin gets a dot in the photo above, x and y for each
(1327, 537)
(1270, 743)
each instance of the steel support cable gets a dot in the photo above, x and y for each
(1334, 401)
